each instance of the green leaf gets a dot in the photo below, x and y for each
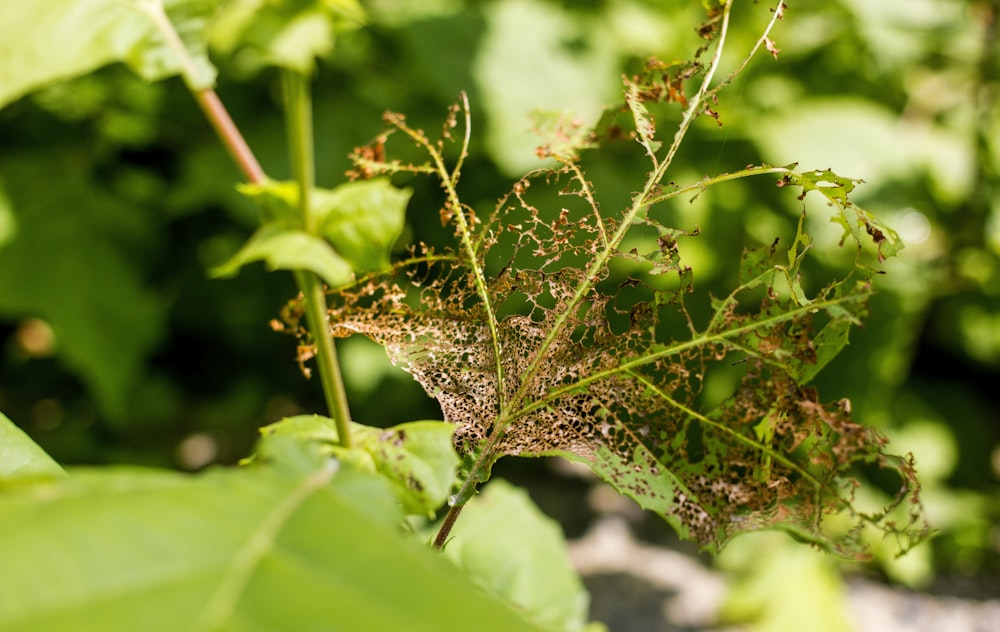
(21, 458)
(361, 219)
(309, 545)
(282, 249)
(510, 548)
(855, 220)
(45, 42)
(581, 78)
(288, 33)
(416, 458)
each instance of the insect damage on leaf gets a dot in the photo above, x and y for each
(534, 342)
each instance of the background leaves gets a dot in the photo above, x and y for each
(45, 43)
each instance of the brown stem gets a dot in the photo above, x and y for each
(200, 87)
(449, 522)
(230, 135)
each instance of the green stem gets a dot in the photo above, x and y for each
(299, 130)
(332, 379)
(298, 118)
(449, 181)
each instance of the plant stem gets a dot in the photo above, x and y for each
(298, 119)
(230, 135)
(478, 473)
(449, 522)
(299, 131)
(331, 377)
(208, 100)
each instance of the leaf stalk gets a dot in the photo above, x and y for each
(204, 95)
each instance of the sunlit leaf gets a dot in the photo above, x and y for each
(304, 544)
(417, 458)
(507, 546)
(777, 585)
(282, 249)
(580, 78)
(21, 458)
(362, 220)
(45, 42)
(288, 33)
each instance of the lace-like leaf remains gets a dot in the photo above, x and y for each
(557, 328)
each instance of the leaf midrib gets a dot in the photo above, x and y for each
(259, 542)
(703, 340)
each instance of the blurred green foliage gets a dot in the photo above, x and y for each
(116, 200)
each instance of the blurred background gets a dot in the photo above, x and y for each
(116, 198)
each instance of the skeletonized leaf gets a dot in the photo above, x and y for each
(562, 133)
(555, 354)
(856, 221)
(644, 125)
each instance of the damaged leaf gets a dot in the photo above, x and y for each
(854, 220)
(534, 344)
